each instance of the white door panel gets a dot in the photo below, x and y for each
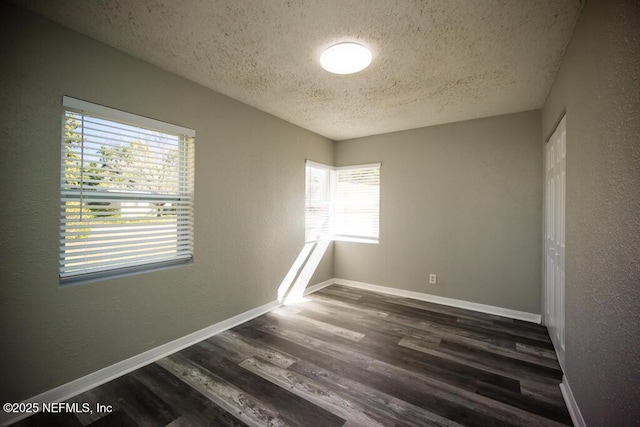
(555, 197)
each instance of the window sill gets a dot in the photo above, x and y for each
(123, 272)
(356, 240)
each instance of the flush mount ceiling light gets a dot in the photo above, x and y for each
(345, 58)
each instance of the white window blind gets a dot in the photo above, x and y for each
(342, 203)
(126, 193)
(357, 202)
(318, 207)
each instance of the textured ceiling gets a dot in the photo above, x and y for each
(434, 61)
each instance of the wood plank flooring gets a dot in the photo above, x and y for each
(344, 357)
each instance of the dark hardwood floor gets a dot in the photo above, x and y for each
(345, 357)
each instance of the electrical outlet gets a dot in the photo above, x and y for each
(432, 279)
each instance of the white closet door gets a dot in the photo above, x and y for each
(555, 196)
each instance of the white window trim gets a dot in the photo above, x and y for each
(333, 186)
(184, 197)
(125, 117)
(362, 166)
(330, 189)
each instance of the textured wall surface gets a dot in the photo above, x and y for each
(462, 200)
(599, 87)
(249, 217)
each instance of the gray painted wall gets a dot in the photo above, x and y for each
(249, 218)
(461, 200)
(598, 85)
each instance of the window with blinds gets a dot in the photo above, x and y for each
(318, 207)
(342, 203)
(126, 193)
(357, 202)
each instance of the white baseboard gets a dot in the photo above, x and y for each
(75, 387)
(317, 287)
(572, 405)
(489, 309)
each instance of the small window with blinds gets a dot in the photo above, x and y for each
(342, 203)
(318, 203)
(126, 193)
(357, 202)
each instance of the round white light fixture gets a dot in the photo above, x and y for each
(345, 58)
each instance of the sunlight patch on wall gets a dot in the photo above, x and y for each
(292, 288)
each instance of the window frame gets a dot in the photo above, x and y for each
(325, 232)
(129, 260)
(334, 173)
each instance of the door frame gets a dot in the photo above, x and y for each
(554, 284)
